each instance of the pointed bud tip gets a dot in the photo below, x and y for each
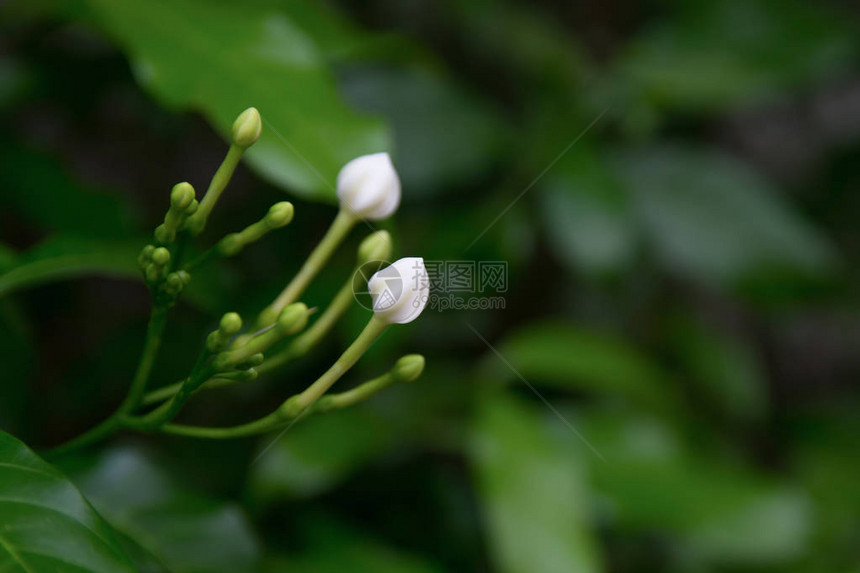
(247, 128)
(293, 318)
(376, 247)
(280, 214)
(408, 368)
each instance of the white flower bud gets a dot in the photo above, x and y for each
(368, 187)
(400, 291)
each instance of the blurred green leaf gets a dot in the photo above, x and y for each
(560, 355)
(721, 512)
(711, 218)
(714, 53)
(184, 531)
(60, 258)
(728, 371)
(8, 257)
(68, 257)
(335, 548)
(588, 214)
(532, 490)
(220, 58)
(826, 457)
(318, 454)
(45, 524)
(36, 188)
(444, 135)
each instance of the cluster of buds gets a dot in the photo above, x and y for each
(368, 188)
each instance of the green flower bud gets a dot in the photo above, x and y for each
(247, 127)
(152, 272)
(215, 341)
(408, 368)
(253, 361)
(173, 284)
(375, 247)
(249, 375)
(293, 318)
(182, 196)
(186, 278)
(145, 256)
(231, 323)
(164, 235)
(231, 244)
(161, 257)
(279, 215)
(267, 317)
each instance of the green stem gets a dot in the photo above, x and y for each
(170, 409)
(204, 257)
(261, 426)
(154, 332)
(320, 327)
(197, 221)
(312, 393)
(166, 392)
(339, 229)
(354, 396)
(298, 404)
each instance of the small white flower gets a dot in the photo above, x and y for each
(400, 291)
(368, 187)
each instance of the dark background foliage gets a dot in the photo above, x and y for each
(673, 185)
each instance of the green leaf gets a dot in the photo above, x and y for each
(710, 218)
(184, 531)
(222, 57)
(64, 257)
(61, 258)
(721, 511)
(710, 54)
(444, 135)
(45, 523)
(41, 192)
(729, 372)
(562, 356)
(533, 492)
(588, 214)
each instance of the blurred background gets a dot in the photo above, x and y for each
(672, 384)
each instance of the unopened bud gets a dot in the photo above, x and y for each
(279, 214)
(145, 256)
(368, 187)
(376, 247)
(293, 318)
(408, 368)
(252, 362)
(182, 196)
(247, 127)
(153, 273)
(173, 284)
(161, 256)
(231, 323)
